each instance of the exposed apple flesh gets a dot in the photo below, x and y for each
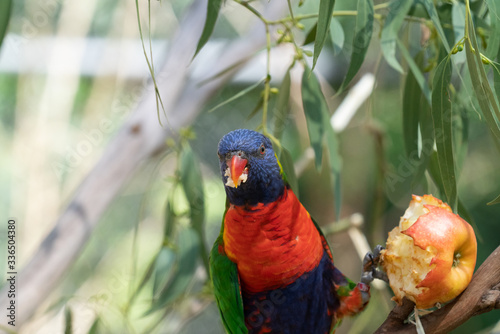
(430, 257)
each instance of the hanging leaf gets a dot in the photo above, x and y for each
(495, 201)
(415, 67)
(311, 35)
(187, 253)
(494, 38)
(281, 108)
(256, 109)
(335, 159)
(484, 93)
(192, 182)
(170, 220)
(286, 162)
(397, 12)
(5, 9)
(68, 320)
(411, 109)
(213, 9)
(324, 18)
(94, 329)
(361, 41)
(238, 95)
(441, 116)
(436, 178)
(337, 35)
(316, 110)
(163, 270)
(433, 14)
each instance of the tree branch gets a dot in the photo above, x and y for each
(482, 295)
(140, 138)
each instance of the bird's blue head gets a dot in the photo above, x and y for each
(249, 168)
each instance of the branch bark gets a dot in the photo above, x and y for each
(482, 295)
(140, 138)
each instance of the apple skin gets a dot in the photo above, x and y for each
(431, 255)
(450, 235)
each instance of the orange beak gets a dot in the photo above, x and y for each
(237, 166)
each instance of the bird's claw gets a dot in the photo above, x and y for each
(370, 264)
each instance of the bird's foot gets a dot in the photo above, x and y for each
(370, 266)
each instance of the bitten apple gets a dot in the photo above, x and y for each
(430, 257)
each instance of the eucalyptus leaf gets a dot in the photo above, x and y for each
(187, 254)
(238, 95)
(493, 47)
(68, 320)
(316, 112)
(192, 182)
(361, 41)
(335, 159)
(441, 116)
(286, 162)
(458, 21)
(484, 94)
(94, 329)
(5, 11)
(395, 17)
(324, 18)
(433, 14)
(495, 201)
(416, 70)
(281, 108)
(213, 8)
(170, 220)
(337, 35)
(411, 108)
(311, 35)
(163, 269)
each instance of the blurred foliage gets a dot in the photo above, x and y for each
(431, 125)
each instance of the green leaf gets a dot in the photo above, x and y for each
(281, 108)
(213, 9)
(187, 254)
(337, 35)
(415, 68)
(316, 110)
(68, 320)
(484, 93)
(170, 220)
(361, 41)
(94, 329)
(427, 141)
(494, 38)
(412, 95)
(192, 182)
(335, 159)
(238, 95)
(433, 14)
(163, 270)
(5, 9)
(311, 35)
(324, 18)
(441, 116)
(397, 12)
(495, 201)
(286, 162)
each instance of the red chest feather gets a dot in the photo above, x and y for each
(271, 244)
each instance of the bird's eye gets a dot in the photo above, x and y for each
(262, 149)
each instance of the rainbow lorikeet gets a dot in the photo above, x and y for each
(271, 266)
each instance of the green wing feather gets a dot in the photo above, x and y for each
(227, 290)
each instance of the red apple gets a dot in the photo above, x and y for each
(430, 257)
